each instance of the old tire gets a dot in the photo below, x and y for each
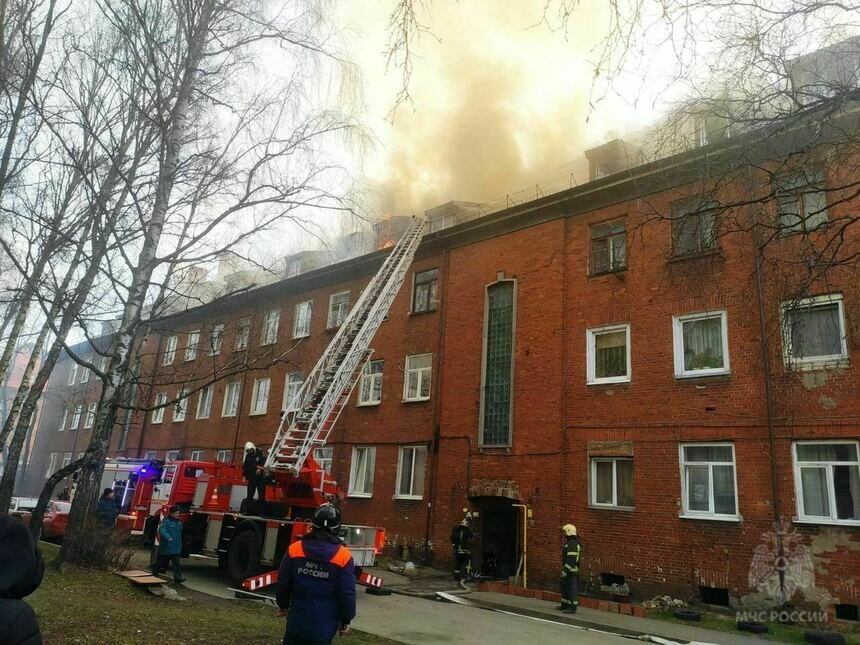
(686, 614)
(824, 638)
(752, 627)
(243, 556)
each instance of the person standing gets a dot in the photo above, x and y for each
(461, 541)
(316, 583)
(252, 470)
(21, 570)
(571, 553)
(106, 510)
(170, 545)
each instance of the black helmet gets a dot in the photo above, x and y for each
(327, 518)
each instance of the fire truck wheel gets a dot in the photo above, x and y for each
(243, 556)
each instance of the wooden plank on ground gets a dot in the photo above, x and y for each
(147, 580)
(133, 573)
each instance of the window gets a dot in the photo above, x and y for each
(410, 472)
(270, 327)
(694, 226)
(608, 353)
(827, 479)
(612, 482)
(191, 347)
(90, 419)
(323, 457)
(181, 405)
(85, 375)
(291, 388)
(151, 454)
(73, 373)
(196, 455)
(76, 417)
(216, 337)
(103, 364)
(338, 308)
(424, 291)
(52, 464)
(361, 472)
(416, 385)
(170, 350)
(813, 331)
(608, 247)
(370, 391)
(204, 402)
(67, 459)
(65, 418)
(498, 365)
(701, 344)
(158, 412)
(801, 202)
(302, 319)
(225, 456)
(172, 455)
(230, 407)
(708, 475)
(243, 332)
(260, 396)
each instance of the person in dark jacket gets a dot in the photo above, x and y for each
(252, 471)
(461, 541)
(571, 552)
(106, 510)
(170, 545)
(21, 570)
(316, 583)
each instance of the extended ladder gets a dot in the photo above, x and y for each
(312, 413)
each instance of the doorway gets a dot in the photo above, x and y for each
(498, 540)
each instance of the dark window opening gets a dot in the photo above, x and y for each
(424, 292)
(694, 226)
(715, 596)
(608, 247)
(846, 612)
(498, 365)
(609, 579)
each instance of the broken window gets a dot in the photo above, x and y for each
(701, 344)
(827, 475)
(801, 201)
(709, 480)
(410, 472)
(361, 471)
(609, 354)
(416, 384)
(338, 308)
(498, 365)
(370, 392)
(814, 331)
(608, 247)
(694, 226)
(424, 291)
(612, 482)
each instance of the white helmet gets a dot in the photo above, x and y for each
(569, 530)
(250, 446)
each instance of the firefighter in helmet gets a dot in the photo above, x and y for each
(316, 583)
(571, 552)
(252, 470)
(461, 541)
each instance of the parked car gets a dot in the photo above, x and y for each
(22, 507)
(56, 519)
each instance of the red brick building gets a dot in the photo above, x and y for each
(634, 356)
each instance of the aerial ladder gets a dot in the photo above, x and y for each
(315, 408)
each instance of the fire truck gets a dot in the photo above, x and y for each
(249, 535)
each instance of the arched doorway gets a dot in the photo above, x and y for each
(498, 546)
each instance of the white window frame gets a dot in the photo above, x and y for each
(256, 407)
(85, 375)
(710, 514)
(591, 353)
(76, 417)
(103, 364)
(243, 334)
(180, 408)
(191, 347)
(330, 322)
(65, 419)
(814, 362)
(401, 453)
(73, 373)
(593, 483)
(271, 323)
(90, 418)
(294, 384)
(230, 388)
(216, 339)
(420, 370)
(204, 402)
(678, 342)
(366, 386)
(224, 455)
(432, 305)
(172, 455)
(831, 489)
(196, 455)
(370, 463)
(170, 350)
(299, 317)
(157, 415)
(325, 462)
(67, 459)
(52, 464)
(151, 454)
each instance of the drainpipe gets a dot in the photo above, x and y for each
(764, 346)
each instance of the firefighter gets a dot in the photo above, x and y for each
(461, 541)
(316, 583)
(252, 469)
(571, 552)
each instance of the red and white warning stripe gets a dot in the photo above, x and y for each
(369, 581)
(260, 581)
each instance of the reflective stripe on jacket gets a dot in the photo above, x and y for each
(570, 554)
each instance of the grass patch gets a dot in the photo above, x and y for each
(725, 623)
(92, 606)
